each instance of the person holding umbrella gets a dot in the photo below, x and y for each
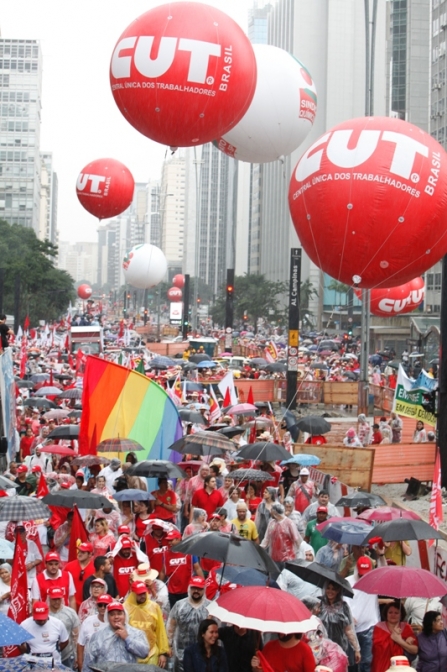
(178, 569)
(287, 653)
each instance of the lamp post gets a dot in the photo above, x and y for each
(198, 163)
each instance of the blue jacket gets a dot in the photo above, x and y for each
(193, 660)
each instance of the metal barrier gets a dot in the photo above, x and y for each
(383, 397)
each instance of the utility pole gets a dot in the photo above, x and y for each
(185, 321)
(294, 325)
(229, 310)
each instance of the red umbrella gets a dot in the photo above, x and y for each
(264, 609)
(396, 581)
(385, 513)
(57, 450)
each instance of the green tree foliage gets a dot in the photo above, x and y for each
(254, 296)
(307, 292)
(45, 291)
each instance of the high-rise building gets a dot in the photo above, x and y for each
(153, 215)
(258, 34)
(80, 260)
(172, 211)
(48, 201)
(20, 109)
(328, 37)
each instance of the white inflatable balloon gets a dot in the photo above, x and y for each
(144, 266)
(281, 113)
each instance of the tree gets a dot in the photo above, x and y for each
(307, 292)
(254, 296)
(45, 291)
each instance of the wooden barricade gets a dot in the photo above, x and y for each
(395, 462)
(340, 394)
(353, 466)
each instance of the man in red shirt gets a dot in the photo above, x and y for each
(208, 498)
(53, 577)
(156, 545)
(124, 563)
(287, 653)
(178, 569)
(81, 568)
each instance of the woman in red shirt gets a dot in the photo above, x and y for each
(142, 512)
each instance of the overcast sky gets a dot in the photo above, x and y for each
(80, 121)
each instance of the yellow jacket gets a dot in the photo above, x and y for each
(148, 618)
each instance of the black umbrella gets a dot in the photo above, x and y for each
(264, 452)
(350, 375)
(162, 362)
(258, 361)
(361, 498)
(262, 404)
(200, 358)
(230, 432)
(276, 367)
(71, 393)
(319, 365)
(90, 460)
(403, 529)
(188, 366)
(394, 364)
(193, 387)
(64, 432)
(251, 475)
(39, 402)
(82, 498)
(203, 443)
(227, 548)
(156, 468)
(314, 424)
(288, 417)
(216, 427)
(74, 414)
(191, 416)
(25, 383)
(318, 574)
(23, 508)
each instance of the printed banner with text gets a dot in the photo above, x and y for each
(409, 395)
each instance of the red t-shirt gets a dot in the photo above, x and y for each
(154, 550)
(25, 445)
(122, 569)
(140, 527)
(169, 497)
(76, 571)
(298, 658)
(179, 569)
(62, 582)
(207, 501)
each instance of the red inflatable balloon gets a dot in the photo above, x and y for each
(178, 281)
(175, 294)
(183, 74)
(105, 188)
(84, 292)
(368, 201)
(396, 300)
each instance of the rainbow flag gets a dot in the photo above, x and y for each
(118, 402)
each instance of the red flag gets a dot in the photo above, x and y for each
(51, 382)
(227, 400)
(71, 363)
(121, 330)
(78, 534)
(18, 609)
(26, 323)
(42, 488)
(67, 342)
(252, 438)
(436, 513)
(250, 398)
(265, 665)
(93, 443)
(81, 360)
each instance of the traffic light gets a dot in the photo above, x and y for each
(199, 300)
(429, 402)
(230, 291)
(245, 318)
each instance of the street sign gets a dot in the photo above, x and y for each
(294, 338)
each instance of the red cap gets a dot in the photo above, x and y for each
(115, 606)
(197, 582)
(173, 534)
(65, 485)
(52, 556)
(124, 529)
(56, 593)
(139, 587)
(86, 547)
(364, 565)
(40, 609)
(101, 581)
(322, 509)
(104, 599)
(22, 469)
(215, 515)
(36, 469)
(126, 543)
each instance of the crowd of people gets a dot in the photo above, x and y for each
(127, 595)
